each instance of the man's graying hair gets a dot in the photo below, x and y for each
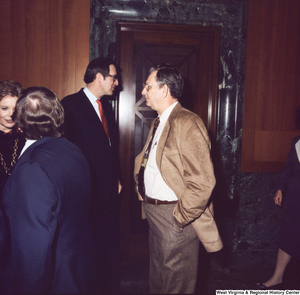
(170, 76)
(39, 113)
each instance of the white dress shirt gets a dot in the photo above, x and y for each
(155, 186)
(27, 144)
(93, 99)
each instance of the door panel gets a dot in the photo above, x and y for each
(140, 46)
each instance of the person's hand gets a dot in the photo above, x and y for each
(119, 187)
(278, 198)
(139, 197)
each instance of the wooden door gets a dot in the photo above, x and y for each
(140, 46)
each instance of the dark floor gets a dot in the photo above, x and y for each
(235, 271)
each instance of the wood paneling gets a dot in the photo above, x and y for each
(272, 146)
(272, 84)
(45, 43)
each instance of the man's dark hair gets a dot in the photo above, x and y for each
(98, 65)
(39, 113)
(170, 76)
(10, 88)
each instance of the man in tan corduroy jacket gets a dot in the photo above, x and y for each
(174, 176)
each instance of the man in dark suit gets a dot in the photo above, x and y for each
(45, 206)
(85, 126)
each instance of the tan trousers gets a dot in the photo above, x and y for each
(173, 252)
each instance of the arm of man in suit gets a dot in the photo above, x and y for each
(3, 230)
(33, 225)
(197, 169)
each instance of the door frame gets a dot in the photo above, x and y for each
(135, 246)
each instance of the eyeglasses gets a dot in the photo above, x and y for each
(114, 77)
(148, 86)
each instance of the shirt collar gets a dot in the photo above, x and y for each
(165, 115)
(28, 143)
(90, 95)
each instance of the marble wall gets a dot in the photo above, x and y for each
(247, 218)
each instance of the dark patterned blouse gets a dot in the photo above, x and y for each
(11, 145)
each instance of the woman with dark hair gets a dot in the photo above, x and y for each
(11, 139)
(288, 197)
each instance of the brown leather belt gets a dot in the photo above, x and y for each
(157, 202)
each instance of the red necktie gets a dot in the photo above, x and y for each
(103, 119)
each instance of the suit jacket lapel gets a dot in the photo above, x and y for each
(28, 151)
(165, 133)
(90, 114)
(109, 114)
(89, 110)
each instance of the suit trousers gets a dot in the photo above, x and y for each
(173, 252)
